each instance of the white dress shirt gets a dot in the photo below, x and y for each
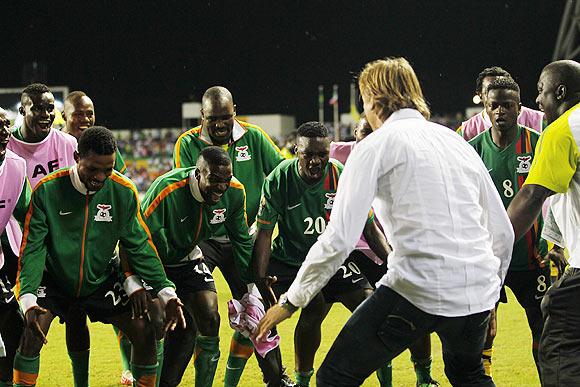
(451, 236)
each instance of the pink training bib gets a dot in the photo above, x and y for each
(480, 122)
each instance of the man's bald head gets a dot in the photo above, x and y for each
(217, 114)
(558, 88)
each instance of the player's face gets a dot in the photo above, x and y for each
(214, 181)
(217, 118)
(362, 129)
(313, 154)
(371, 117)
(95, 169)
(503, 108)
(4, 134)
(38, 112)
(79, 115)
(546, 100)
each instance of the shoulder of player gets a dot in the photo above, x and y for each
(123, 185)
(168, 183)
(190, 135)
(256, 132)
(53, 179)
(14, 158)
(337, 164)
(282, 169)
(65, 137)
(236, 191)
(533, 133)
(475, 141)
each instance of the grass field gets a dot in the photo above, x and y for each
(513, 363)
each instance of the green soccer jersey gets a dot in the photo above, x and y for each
(301, 210)
(120, 165)
(179, 219)
(254, 155)
(509, 168)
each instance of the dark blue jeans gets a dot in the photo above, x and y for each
(386, 324)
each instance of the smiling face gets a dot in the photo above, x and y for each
(217, 118)
(79, 115)
(214, 180)
(313, 154)
(4, 133)
(94, 169)
(38, 112)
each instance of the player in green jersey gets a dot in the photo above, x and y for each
(507, 149)
(299, 195)
(96, 208)
(79, 114)
(254, 155)
(182, 208)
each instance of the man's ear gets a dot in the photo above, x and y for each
(561, 92)
(76, 156)
(197, 173)
(21, 110)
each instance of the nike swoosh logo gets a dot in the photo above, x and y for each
(208, 279)
(489, 170)
(538, 297)
(233, 368)
(64, 213)
(293, 207)
(10, 299)
(354, 281)
(183, 219)
(214, 358)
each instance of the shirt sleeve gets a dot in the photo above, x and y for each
(23, 202)
(354, 196)
(556, 159)
(154, 214)
(120, 165)
(33, 252)
(181, 157)
(141, 252)
(270, 204)
(497, 223)
(237, 229)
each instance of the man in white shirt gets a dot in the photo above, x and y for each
(451, 238)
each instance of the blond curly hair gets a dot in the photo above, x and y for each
(392, 84)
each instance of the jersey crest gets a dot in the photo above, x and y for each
(103, 214)
(329, 200)
(219, 216)
(243, 153)
(525, 162)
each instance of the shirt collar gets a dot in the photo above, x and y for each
(194, 186)
(404, 114)
(237, 133)
(76, 181)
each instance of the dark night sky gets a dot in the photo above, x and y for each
(139, 60)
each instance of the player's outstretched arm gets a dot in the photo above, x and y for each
(377, 240)
(526, 207)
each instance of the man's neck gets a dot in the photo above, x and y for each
(65, 130)
(29, 136)
(503, 138)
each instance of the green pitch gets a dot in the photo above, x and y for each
(512, 363)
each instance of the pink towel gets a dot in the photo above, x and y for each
(244, 316)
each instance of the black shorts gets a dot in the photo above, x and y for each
(7, 299)
(529, 287)
(348, 278)
(369, 268)
(219, 254)
(191, 277)
(109, 300)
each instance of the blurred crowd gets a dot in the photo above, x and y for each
(148, 152)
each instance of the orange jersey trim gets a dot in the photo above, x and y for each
(163, 194)
(127, 183)
(177, 149)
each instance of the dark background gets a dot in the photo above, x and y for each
(139, 60)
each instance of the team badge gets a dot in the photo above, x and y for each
(103, 213)
(329, 200)
(41, 292)
(243, 154)
(525, 162)
(219, 216)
